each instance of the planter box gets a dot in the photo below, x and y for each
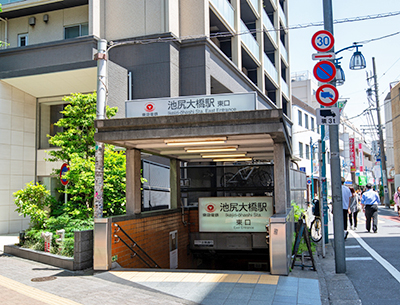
(83, 253)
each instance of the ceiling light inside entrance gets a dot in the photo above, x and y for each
(232, 159)
(224, 155)
(211, 149)
(196, 141)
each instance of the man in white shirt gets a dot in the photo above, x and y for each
(346, 195)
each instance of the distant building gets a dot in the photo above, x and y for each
(395, 103)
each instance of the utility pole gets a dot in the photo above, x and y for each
(101, 58)
(381, 141)
(340, 257)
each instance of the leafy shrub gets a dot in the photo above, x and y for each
(34, 201)
(34, 240)
(298, 211)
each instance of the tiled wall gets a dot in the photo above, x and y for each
(17, 152)
(152, 234)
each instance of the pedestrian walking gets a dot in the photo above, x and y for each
(396, 199)
(353, 209)
(346, 195)
(370, 201)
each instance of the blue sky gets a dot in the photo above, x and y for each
(386, 51)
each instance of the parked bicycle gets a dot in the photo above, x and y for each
(316, 224)
(249, 175)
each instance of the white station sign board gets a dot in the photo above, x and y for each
(194, 104)
(234, 214)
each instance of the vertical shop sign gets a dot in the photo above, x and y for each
(360, 157)
(352, 155)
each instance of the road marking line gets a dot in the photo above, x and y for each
(359, 258)
(352, 247)
(35, 293)
(392, 270)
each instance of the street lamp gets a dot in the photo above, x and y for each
(357, 61)
(340, 77)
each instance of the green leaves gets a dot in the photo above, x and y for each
(34, 201)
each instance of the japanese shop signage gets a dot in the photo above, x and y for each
(360, 157)
(234, 214)
(195, 104)
(352, 155)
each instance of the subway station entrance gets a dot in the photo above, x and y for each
(221, 208)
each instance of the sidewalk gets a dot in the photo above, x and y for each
(145, 286)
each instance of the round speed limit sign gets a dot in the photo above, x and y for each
(322, 41)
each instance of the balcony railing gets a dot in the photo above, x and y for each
(283, 51)
(255, 4)
(226, 10)
(282, 15)
(271, 70)
(285, 88)
(10, 1)
(249, 40)
(269, 26)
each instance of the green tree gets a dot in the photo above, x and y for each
(34, 201)
(77, 148)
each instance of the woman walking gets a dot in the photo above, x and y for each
(396, 199)
(353, 209)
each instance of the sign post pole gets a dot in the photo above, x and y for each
(340, 257)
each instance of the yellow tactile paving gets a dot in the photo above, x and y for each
(34, 293)
(212, 278)
(126, 275)
(249, 278)
(176, 277)
(158, 277)
(268, 279)
(194, 277)
(230, 278)
(142, 276)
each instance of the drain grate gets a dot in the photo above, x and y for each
(43, 279)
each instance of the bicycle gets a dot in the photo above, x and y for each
(316, 224)
(245, 176)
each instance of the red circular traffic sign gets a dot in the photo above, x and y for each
(324, 71)
(327, 95)
(64, 170)
(322, 41)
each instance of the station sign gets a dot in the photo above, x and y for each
(322, 41)
(327, 95)
(324, 71)
(234, 214)
(328, 116)
(194, 104)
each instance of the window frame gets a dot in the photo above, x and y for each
(301, 153)
(300, 118)
(306, 121)
(312, 123)
(307, 152)
(23, 35)
(80, 29)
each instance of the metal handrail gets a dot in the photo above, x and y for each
(136, 244)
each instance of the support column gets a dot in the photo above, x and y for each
(287, 167)
(236, 40)
(133, 183)
(175, 183)
(280, 181)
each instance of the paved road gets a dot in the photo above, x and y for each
(373, 260)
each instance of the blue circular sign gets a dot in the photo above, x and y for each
(324, 71)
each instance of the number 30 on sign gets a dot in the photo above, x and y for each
(322, 41)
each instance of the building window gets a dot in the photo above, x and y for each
(22, 40)
(312, 124)
(301, 150)
(328, 158)
(49, 113)
(300, 118)
(76, 30)
(306, 121)
(307, 152)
